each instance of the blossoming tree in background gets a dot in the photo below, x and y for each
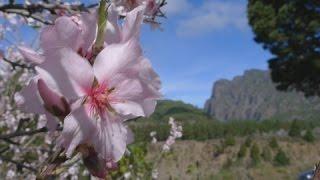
(80, 79)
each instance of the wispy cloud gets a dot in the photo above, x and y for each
(212, 16)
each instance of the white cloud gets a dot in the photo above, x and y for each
(212, 16)
(175, 7)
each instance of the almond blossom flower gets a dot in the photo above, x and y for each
(110, 91)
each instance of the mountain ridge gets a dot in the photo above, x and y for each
(253, 96)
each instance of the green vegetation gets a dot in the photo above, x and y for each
(136, 163)
(229, 141)
(255, 154)
(266, 154)
(309, 137)
(243, 151)
(200, 127)
(273, 143)
(295, 129)
(248, 141)
(281, 159)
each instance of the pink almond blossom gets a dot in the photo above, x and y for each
(110, 91)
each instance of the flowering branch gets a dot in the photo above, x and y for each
(26, 133)
(19, 164)
(15, 64)
(30, 10)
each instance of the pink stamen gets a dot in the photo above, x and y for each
(99, 100)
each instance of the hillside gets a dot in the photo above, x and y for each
(254, 96)
(200, 160)
(177, 109)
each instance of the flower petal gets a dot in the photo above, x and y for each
(115, 59)
(78, 69)
(113, 34)
(30, 55)
(132, 23)
(32, 102)
(129, 108)
(54, 102)
(65, 33)
(111, 140)
(78, 129)
(89, 28)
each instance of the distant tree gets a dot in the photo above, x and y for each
(309, 137)
(266, 154)
(273, 143)
(242, 151)
(281, 159)
(255, 154)
(290, 30)
(295, 129)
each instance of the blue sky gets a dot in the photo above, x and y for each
(202, 41)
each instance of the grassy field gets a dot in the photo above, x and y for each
(213, 160)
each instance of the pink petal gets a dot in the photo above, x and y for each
(113, 34)
(52, 122)
(47, 77)
(89, 29)
(125, 94)
(52, 100)
(115, 59)
(78, 129)
(65, 33)
(30, 55)
(32, 102)
(111, 140)
(56, 76)
(78, 70)
(132, 23)
(129, 108)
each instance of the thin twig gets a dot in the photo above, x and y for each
(19, 164)
(26, 133)
(15, 64)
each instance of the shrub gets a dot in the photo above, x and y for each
(229, 141)
(309, 137)
(295, 129)
(266, 154)
(281, 159)
(248, 141)
(255, 154)
(273, 143)
(242, 151)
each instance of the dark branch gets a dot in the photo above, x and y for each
(19, 164)
(31, 10)
(14, 65)
(26, 133)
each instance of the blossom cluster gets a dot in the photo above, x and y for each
(175, 132)
(91, 91)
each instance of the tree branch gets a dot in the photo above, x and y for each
(26, 133)
(19, 164)
(30, 10)
(15, 64)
